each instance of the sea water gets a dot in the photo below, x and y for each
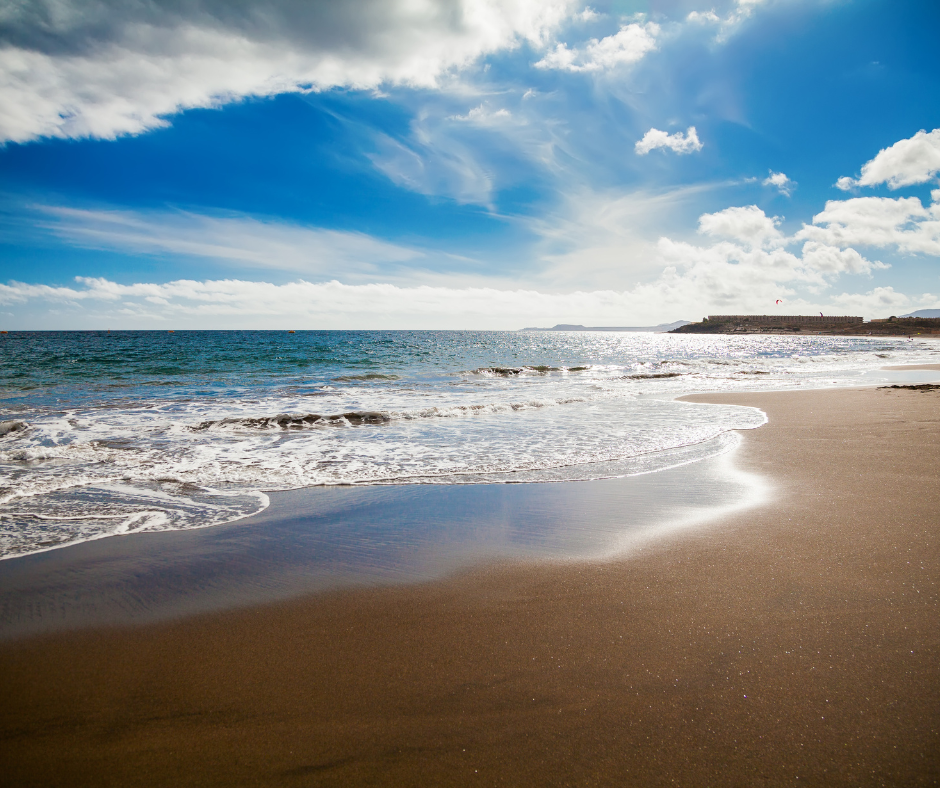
(105, 433)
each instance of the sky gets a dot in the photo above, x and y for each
(465, 164)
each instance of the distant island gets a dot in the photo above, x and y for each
(662, 328)
(845, 325)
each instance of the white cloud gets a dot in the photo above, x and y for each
(240, 240)
(881, 302)
(748, 225)
(303, 304)
(695, 281)
(703, 17)
(678, 142)
(907, 162)
(846, 184)
(483, 115)
(112, 68)
(832, 260)
(742, 10)
(781, 182)
(882, 222)
(628, 45)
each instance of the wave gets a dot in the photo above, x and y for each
(527, 369)
(13, 425)
(368, 376)
(299, 421)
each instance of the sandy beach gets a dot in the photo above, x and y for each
(795, 643)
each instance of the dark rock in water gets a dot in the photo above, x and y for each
(503, 372)
(12, 426)
(296, 421)
(366, 417)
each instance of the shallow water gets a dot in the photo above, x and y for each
(331, 538)
(105, 434)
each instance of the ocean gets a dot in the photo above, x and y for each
(106, 433)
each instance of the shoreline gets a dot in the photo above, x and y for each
(793, 640)
(909, 373)
(321, 540)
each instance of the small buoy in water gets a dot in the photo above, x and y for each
(289, 332)
(3, 332)
(170, 331)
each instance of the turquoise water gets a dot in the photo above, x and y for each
(107, 433)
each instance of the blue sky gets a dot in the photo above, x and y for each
(465, 163)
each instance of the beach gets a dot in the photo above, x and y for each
(792, 642)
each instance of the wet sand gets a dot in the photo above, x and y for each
(793, 643)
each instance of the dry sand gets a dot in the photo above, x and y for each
(794, 644)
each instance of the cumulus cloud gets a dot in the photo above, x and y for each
(831, 260)
(678, 142)
(695, 280)
(628, 45)
(748, 225)
(239, 240)
(907, 162)
(588, 15)
(881, 301)
(121, 67)
(780, 182)
(703, 17)
(331, 304)
(902, 223)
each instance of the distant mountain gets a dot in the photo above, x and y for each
(923, 313)
(662, 328)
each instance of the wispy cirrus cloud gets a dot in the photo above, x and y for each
(240, 240)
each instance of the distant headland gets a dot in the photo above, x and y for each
(662, 328)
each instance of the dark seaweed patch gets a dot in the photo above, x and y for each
(917, 387)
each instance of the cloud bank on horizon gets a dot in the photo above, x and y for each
(461, 163)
